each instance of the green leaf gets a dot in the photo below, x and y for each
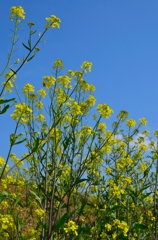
(29, 44)
(117, 207)
(33, 32)
(5, 109)
(30, 58)
(12, 70)
(81, 180)
(140, 226)
(133, 195)
(36, 144)
(17, 201)
(7, 100)
(26, 47)
(39, 193)
(36, 197)
(65, 143)
(80, 237)
(146, 195)
(20, 141)
(61, 221)
(3, 194)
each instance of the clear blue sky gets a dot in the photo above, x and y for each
(120, 37)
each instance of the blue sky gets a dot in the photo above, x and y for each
(120, 38)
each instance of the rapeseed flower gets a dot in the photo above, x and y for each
(143, 121)
(27, 89)
(53, 21)
(86, 66)
(42, 93)
(104, 110)
(17, 11)
(40, 118)
(71, 227)
(130, 123)
(48, 81)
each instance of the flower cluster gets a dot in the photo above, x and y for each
(17, 11)
(71, 227)
(22, 110)
(104, 110)
(130, 123)
(48, 81)
(53, 21)
(86, 66)
(28, 88)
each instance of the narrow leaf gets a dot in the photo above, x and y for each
(7, 100)
(36, 197)
(5, 109)
(36, 144)
(20, 141)
(30, 58)
(29, 44)
(140, 226)
(33, 32)
(26, 47)
(61, 221)
(81, 180)
(12, 70)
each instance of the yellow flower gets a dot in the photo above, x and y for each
(102, 126)
(54, 22)
(40, 117)
(17, 11)
(39, 105)
(108, 226)
(143, 121)
(6, 221)
(48, 81)
(122, 115)
(32, 96)
(42, 93)
(143, 147)
(128, 179)
(91, 101)
(2, 161)
(85, 87)
(27, 89)
(71, 227)
(58, 64)
(86, 66)
(106, 149)
(108, 170)
(65, 81)
(39, 213)
(140, 220)
(156, 133)
(114, 235)
(10, 78)
(103, 235)
(104, 110)
(94, 188)
(22, 109)
(9, 85)
(130, 123)
(142, 166)
(86, 130)
(146, 132)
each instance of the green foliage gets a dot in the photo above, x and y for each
(82, 182)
